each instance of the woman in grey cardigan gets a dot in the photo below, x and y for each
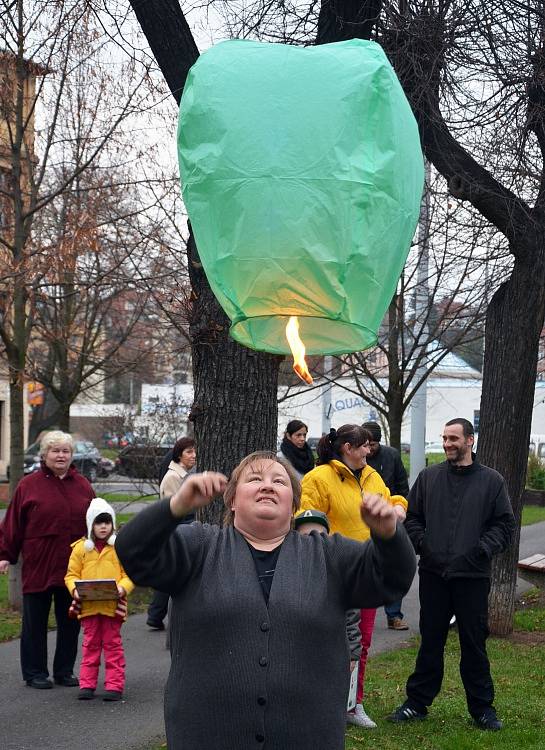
(259, 649)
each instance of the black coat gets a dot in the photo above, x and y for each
(247, 675)
(389, 465)
(459, 518)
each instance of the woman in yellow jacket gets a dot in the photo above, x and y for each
(335, 487)
(95, 558)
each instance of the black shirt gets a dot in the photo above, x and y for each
(265, 565)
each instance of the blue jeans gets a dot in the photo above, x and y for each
(393, 610)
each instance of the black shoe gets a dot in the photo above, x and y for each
(67, 681)
(112, 695)
(488, 720)
(86, 694)
(155, 625)
(406, 713)
(40, 683)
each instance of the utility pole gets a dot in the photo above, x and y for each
(421, 304)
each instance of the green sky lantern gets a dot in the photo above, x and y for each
(302, 175)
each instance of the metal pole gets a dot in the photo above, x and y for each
(421, 304)
(326, 395)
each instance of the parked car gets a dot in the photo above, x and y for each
(434, 448)
(105, 467)
(86, 459)
(142, 460)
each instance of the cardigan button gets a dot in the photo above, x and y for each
(264, 626)
(260, 737)
(261, 701)
(263, 661)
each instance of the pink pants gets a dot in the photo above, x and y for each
(102, 633)
(367, 623)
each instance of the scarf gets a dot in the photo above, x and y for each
(302, 459)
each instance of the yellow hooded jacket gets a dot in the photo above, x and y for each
(333, 489)
(85, 564)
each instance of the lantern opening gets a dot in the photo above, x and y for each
(298, 350)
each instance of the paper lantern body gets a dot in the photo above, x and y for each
(302, 175)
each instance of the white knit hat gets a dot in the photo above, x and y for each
(97, 506)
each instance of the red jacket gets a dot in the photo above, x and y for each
(44, 517)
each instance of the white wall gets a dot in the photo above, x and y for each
(447, 398)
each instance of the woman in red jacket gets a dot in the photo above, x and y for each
(44, 517)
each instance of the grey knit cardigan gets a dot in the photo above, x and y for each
(245, 675)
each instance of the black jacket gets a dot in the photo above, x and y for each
(389, 465)
(459, 518)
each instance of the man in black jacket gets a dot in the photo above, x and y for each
(459, 517)
(388, 463)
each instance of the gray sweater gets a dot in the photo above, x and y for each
(246, 675)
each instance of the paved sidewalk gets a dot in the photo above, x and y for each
(56, 720)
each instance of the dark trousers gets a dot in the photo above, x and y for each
(157, 610)
(34, 634)
(467, 598)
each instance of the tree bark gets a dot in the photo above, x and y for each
(514, 322)
(170, 39)
(16, 453)
(340, 20)
(394, 395)
(516, 313)
(235, 403)
(235, 409)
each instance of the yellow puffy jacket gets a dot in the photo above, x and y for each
(94, 564)
(333, 489)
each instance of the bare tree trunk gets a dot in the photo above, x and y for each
(63, 420)
(513, 326)
(16, 426)
(235, 408)
(394, 395)
(340, 20)
(16, 420)
(395, 417)
(235, 405)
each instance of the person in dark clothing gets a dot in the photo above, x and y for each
(165, 463)
(184, 458)
(295, 449)
(459, 517)
(389, 465)
(258, 610)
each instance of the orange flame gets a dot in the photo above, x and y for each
(298, 350)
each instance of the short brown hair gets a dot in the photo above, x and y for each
(253, 458)
(180, 446)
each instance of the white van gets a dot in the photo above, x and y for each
(537, 446)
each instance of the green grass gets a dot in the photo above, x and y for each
(10, 620)
(431, 458)
(110, 453)
(518, 675)
(532, 514)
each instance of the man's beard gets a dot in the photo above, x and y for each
(457, 456)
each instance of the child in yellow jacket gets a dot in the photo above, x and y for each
(95, 557)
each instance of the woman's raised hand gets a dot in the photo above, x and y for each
(197, 491)
(379, 515)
